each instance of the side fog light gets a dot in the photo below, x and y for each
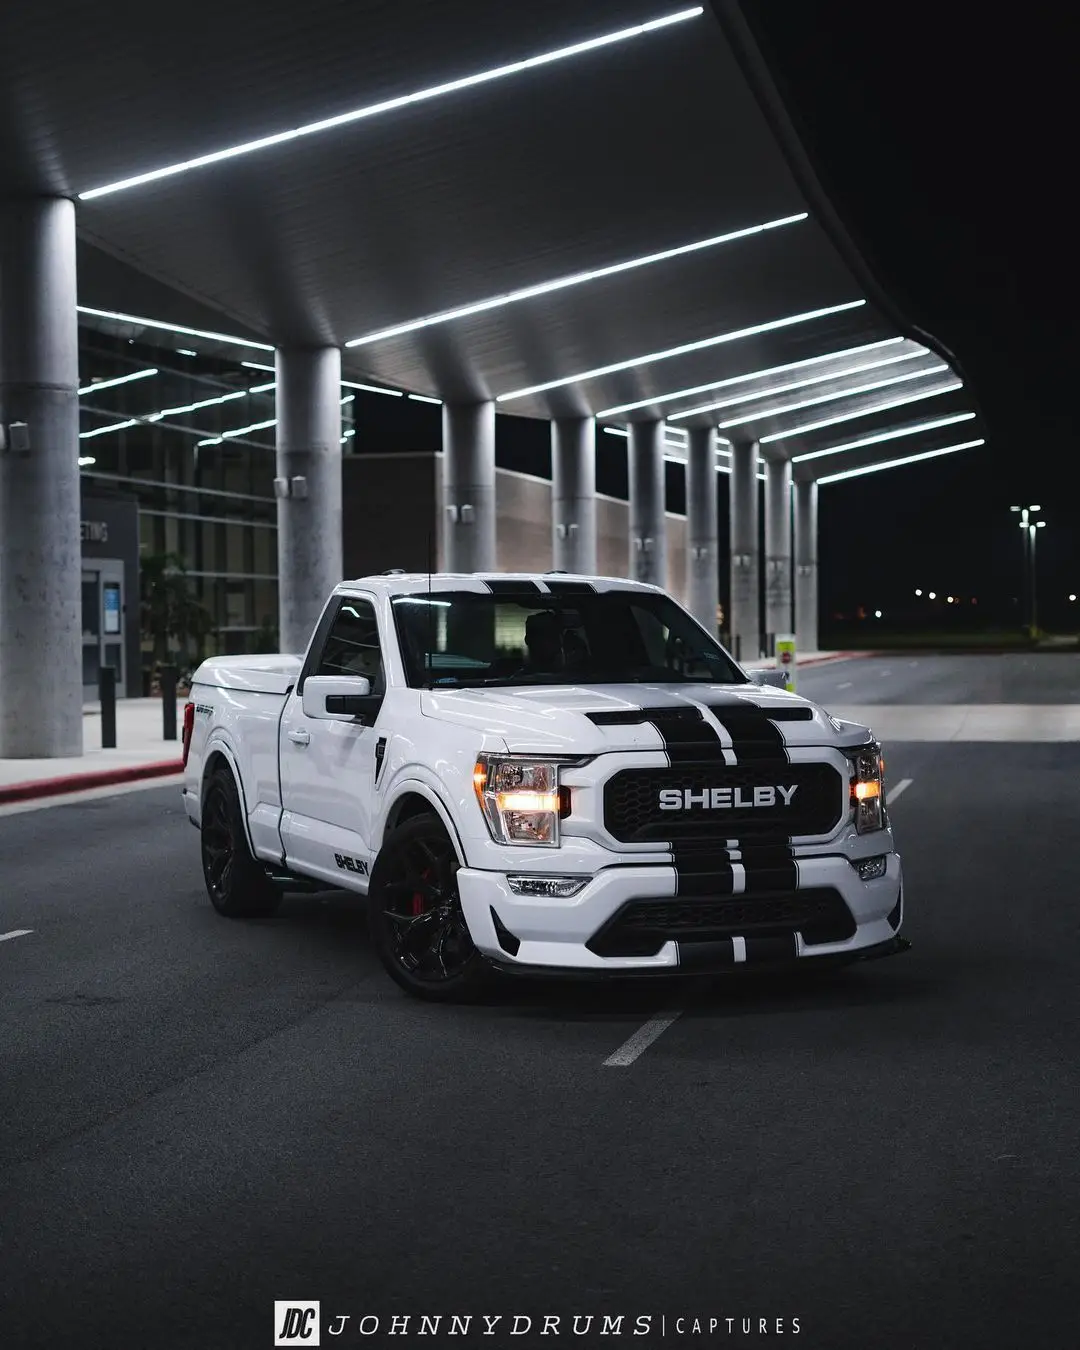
(551, 888)
(869, 869)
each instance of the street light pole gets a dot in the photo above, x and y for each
(1029, 527)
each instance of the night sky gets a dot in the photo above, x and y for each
(945, 136)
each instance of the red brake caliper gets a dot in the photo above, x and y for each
(418, 899)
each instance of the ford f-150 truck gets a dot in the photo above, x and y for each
(539, 774)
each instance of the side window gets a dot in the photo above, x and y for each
(352, 645)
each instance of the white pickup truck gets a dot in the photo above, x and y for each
(539, 774)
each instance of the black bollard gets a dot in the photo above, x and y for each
(107, 696)
(168, 701)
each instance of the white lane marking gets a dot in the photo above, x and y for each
(641, 1039)
(15, 932)
(885, 672)
(845, 685)
(892, 793)
(739, 944)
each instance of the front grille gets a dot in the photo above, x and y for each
(641, 927)
(632, 812)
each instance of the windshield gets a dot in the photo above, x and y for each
(462, 639)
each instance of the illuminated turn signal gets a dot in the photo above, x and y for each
(863, 791)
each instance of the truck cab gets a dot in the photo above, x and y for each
(539, 774)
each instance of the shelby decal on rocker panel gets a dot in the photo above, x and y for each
(583, 1324)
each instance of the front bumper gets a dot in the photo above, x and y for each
(737, 932)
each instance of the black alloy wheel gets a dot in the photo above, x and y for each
(415, 915)
(236, 883)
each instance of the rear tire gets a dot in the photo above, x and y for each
(415, 917)
(235, 881)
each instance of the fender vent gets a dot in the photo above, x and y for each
(380, 754)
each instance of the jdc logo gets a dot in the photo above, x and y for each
(725, 799)
(296, 1323)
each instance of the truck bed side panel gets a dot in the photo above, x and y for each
(242, 724)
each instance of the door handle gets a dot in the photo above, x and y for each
(300, 737)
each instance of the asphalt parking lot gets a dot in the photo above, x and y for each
(198, 1117)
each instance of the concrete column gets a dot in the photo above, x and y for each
(806, 566)
(648, 524)
(469, 486)
(744, 621)
(308, 485)
(777, 547)
(40, 545)
(702, 564)
(573, 494)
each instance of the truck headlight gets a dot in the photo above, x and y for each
(522, 799)
(868, 788)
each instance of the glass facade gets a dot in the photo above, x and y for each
(191, 438)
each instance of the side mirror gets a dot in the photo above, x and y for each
(338, 697)
(770, 678)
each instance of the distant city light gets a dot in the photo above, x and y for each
(877, 613)
(917, 591)
(1072, 597)
(84, 460)
(949, 599)
(933, 595)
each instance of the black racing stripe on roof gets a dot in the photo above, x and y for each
(511, 587)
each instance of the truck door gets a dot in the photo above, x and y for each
(328, 766)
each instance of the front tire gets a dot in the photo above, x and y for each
(235, 881)
(415, 916)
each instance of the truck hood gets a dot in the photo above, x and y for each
(557, 719)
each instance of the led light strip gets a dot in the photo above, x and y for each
(896, 463)
(863, 412)
(775, 389)
(884, 436)
(576, 279)
(762, 413)
(720, 468)
(120, 379)
(257, 426)
(680, 351)
(752, 375)
(179, 411)
(392, 104)
(345, 384)
(174, 328)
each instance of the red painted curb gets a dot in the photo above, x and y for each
(82, 782)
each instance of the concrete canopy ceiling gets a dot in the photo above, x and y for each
(639, 146)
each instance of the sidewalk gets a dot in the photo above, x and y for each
(141, 752)
(806, 659)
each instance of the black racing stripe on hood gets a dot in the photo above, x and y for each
(754, 735)
(687, 737)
